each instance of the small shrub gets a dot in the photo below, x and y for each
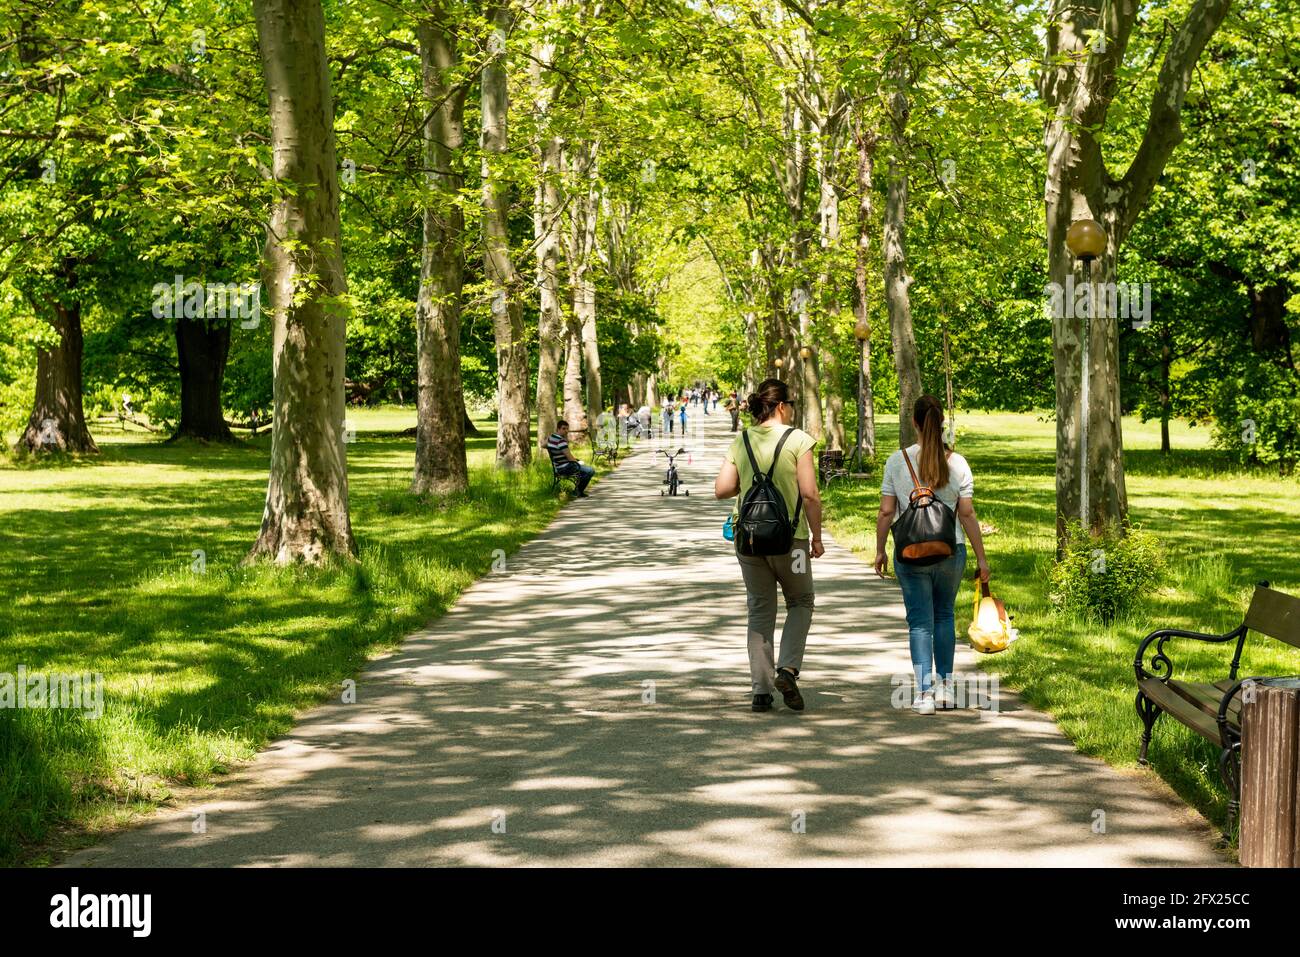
(1102, 576)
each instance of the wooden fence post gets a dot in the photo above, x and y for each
(1270, 777)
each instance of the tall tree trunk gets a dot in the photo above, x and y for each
(586, 208)
(550, 325)
(756, 355)
(575, 410)
(306, 516)
(1269, 332)
(440, 464)
(514, 448)
(809, 376)
(1085, 44)
(58, 421)
(584, 307)
(866, 141)
(898, 280)
(754, 349)
(548, 154)
(202, 347)
(830, 134)
(1166, 359)
(470, 429)
(780, 331)
(834, 432)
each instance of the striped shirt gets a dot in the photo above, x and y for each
(557, 445)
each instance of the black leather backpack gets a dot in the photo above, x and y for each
(764, 526)
(926, 533)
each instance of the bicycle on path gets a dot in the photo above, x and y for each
(671, 477)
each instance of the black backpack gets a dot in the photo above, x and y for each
(764, 526)
(926, 533)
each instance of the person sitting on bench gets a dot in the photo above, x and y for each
(563, 462)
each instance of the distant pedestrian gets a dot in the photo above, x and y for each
(733, 408)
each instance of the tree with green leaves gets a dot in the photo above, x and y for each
(514, 445)
(440, 464)
(1087, 44)
(306, 518)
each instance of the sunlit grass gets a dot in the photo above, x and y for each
(1225, 529)
(98, 569)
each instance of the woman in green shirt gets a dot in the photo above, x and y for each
(795, 477)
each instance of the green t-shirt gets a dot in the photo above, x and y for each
(763, 438)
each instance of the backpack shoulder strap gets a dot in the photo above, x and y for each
(749, 450)
(776, 456)
(915, 480)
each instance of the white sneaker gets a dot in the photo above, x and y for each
(924, 703)
(943, 695)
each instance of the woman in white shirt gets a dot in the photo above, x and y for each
(930, 591)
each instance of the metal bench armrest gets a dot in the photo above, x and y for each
(1226, 733)
(1162, 668)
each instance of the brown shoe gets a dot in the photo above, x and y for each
(789, 689)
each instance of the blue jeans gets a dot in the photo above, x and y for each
(930, 595)
(584, 474)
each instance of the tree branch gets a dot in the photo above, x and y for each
(1164, 130)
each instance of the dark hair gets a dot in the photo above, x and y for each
(928, 416)
(763, 401)
(562, 424)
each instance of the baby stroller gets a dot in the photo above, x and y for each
(636, 427)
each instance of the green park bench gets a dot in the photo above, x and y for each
(560, 480)
(1212, 709)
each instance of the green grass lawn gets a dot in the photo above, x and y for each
(200, 670)
(1223, 529)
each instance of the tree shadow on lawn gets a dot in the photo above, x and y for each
(109, 588)
(526, 704)
(1083, 672)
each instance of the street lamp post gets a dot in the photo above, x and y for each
(1087, 241)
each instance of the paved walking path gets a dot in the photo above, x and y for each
(516, 730)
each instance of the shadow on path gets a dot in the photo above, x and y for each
(588, 705)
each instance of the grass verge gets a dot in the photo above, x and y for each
(1223, 529)
(127, 565)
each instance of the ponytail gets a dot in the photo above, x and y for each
(928, 417)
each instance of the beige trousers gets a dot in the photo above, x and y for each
(793, 573)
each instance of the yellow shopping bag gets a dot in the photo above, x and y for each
(990, 628)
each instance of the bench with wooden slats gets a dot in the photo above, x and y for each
(1211, 709)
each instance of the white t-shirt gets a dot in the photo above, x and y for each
(898, 482)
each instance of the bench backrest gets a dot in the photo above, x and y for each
(1275, 614)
